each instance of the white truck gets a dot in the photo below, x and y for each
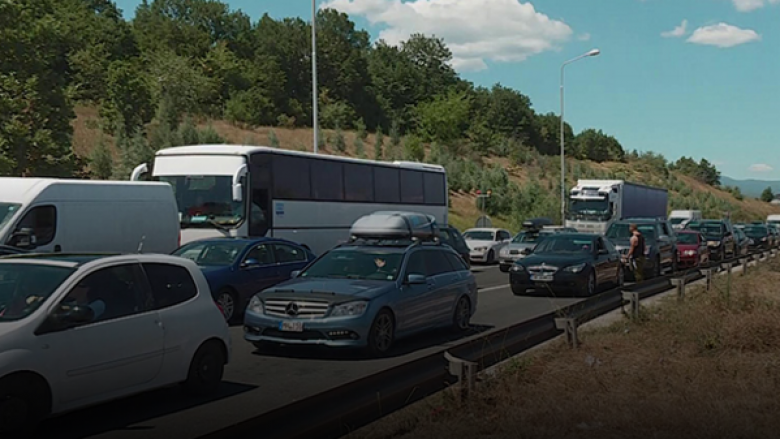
(680, 218)
(83, 216)
(595, 204)
(773, 219)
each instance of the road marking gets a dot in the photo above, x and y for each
(498, 287)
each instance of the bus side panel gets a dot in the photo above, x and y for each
(322, 225)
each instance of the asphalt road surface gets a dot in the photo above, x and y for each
(257, 382)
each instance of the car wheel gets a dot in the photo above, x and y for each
(590, 287)
(382, 334)
(23, 404)
(658, 270)
(461, 320)
(491, 258)
(504, 268)
(206, 369)
(227, 301)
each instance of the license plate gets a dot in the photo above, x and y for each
(291, 326)
(542, 278)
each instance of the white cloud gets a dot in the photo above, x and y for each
(723, 35)
(584, 37)
(678, 31)
(752, 5)
(760, 167)
(475, 31)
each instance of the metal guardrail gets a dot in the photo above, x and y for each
(338, 411)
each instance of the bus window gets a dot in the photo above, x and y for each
(412, 187)
(358, 183)
(387, 187)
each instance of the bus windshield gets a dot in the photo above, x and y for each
(206, 201)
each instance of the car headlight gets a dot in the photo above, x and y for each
(480, 249)
(713, 243)
(575, 268)
(349, 309)
(763, 239)
(517, 268)
(689, 252)
(256, 305)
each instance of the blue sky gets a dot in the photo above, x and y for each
(711, 89)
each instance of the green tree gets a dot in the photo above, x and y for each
(360, 148)
(767, 195)
(273, 140)
(445, 118)
(340, 143)
(414, 149)
(101, 161)
(379, 144)
(128, 103)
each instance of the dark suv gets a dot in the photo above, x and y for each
(451, 236)
(719, 235)
(660, 243)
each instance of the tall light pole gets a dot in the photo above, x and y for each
(593, 52)
(315, 93)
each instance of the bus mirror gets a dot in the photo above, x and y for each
(139, 171)
(238, 192)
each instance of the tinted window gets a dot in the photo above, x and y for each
(259, 218)
(416, 264)
(327, 180)
(688, 238)
(262, 253)
(291, 178)
(211, 253)
(112, 293)
(43, 222)
(358, 183)
(437, 262)
(412, 187)
(387, 188)
(456, 262)
(435, 192)
(171, 284)
(287, 254)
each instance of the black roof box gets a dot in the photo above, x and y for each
(395, 225)
(537, 223)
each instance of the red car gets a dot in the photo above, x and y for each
(692, 249)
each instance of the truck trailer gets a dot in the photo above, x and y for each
(595, 204)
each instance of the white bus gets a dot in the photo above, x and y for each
(313, 199)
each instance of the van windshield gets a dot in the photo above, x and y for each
(676, 221)
(205, 201)
(7, 211)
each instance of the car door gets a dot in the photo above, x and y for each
(603, 262)
(414, 306)
(613, 260)
(289, 258)
(446, 285)
(117, 352)
(257, 271)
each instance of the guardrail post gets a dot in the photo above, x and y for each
(708, 273)
(633, 299)
(728, 266)
(745, 262)
(773, 252)
(569, 325)
(465, 371)
(680, 284)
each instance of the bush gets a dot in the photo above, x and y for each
(360, 149)
(273, 141)
(339, 142)
(413, 149)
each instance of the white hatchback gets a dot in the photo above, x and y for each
(78, 330)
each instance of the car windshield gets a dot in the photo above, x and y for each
(707, 229)
(360, 263)
(220, 254)
(620, 231)
(478, 235)
(205, 201)
(687, 238)
(756, 231)
(25, 287)
(565, 244)
(676, 221)
(530, 237)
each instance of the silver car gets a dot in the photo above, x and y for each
(524, 243)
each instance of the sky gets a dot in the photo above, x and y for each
(696, 78)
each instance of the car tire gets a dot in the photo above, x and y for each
(227, 300)
(461, 319)
(504, 268)
(23, 404)
(382, 334)
(589, 289)
(621, 277)
(206, 369)
(658, 271)
(491, 257)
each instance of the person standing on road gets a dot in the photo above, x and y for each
(636, 253)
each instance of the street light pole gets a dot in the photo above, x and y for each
(594, 52)
(315, 93)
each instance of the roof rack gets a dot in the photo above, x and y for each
(395, 228)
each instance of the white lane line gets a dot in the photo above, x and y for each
(498, 287)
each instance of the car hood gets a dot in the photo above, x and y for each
(474, 244)
(520, 245)
(329, 290)
(555, 260)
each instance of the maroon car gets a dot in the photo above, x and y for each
(692, 249)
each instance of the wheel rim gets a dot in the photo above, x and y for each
(227, 304)
(463, 314)
(208, 367)
(13, 411)
(383, 333)
(591, 283)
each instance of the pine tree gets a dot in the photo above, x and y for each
(101, 160)
(379, 144)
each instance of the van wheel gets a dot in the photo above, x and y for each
(206, 369)
(23, 404)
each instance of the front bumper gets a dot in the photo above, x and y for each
(563, 282)
(345, 332)
(688, 261)
(478, 256)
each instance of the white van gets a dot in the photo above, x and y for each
(773, 219)
(680, 218)
(83, 216)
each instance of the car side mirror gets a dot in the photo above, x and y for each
(416, 279)
(71, 315)
(295, 274)
(251, 263)
(23, 239)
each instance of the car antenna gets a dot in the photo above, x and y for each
(141, 244)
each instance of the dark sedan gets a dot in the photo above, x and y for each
(577, 263)
(238, 268)
(760, 235)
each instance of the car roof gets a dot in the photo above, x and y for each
(578, 235)
(241, 240)
(76, 260)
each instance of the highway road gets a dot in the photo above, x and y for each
(257, 382)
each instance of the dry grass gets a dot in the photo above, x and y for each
(705, 368)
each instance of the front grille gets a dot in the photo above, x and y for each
(307, 309)
(543, 269)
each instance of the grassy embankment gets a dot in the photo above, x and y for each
(685, 192)
(704, 368)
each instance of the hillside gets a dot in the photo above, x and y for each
(751, 187)
(531, 188)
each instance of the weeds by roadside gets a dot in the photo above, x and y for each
(702, 368)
